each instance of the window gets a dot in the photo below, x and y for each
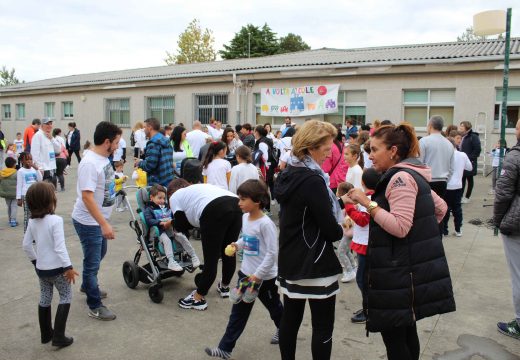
(6, 112)
(420, 105)
(351, 104)
(67, 108)
(48, 110)
(20, 111)
(513, 108)
(260, 119)
(118, 111)
(211, 106)
(161, 108)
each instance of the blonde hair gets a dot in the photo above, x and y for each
(138, 125)
(311, 135)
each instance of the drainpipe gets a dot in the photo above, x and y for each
(236, 85)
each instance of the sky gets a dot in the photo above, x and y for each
(53, 38)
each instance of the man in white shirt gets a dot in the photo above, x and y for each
(288, 123)
(215, 129)
(43, 153)
(93, 207)
(196, 138)
(120, 153)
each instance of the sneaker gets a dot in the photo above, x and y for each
(120, 209)
(217, 352)
(348, 276)
(491, 192)
(223, 290)
(359, 318)
(195, 261)
(235, 295)
(174, 265)
(445, 233)
(465, 200)
(12, 223)
(510, 329)
(276, 337)
(102, 294)
(102, 313)
(189, 302)
(458, 233)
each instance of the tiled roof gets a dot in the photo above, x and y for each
(486, 50)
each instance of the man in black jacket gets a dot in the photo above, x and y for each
(471, 146)
(506, 215)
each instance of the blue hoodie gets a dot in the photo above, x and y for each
(158, 160)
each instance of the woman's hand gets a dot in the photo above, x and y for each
(359, 197)
(347, 200)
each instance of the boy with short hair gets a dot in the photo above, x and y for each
(18, 142)
(8, 189)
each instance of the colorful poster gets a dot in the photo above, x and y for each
(299, 101)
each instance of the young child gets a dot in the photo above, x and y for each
(244, 170)
(120, 179)
(139, 175)
(86, 148)
(354, 159)
(11, 151)
(26, 176)
(259, 267)
(18, 142)
(361, 220)
(51, 261)
(215, 169)
(8, 189)
(158, 214)
(345, 257)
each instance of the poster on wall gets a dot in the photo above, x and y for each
(299, 101)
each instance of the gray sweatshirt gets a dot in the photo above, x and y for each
(437, 153)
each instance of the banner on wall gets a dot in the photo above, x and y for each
(299, 101)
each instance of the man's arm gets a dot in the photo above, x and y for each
(152, 159)
(36, 151)
(90, 203)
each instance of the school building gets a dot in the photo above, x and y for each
(458, 80)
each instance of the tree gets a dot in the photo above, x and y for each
(469, 35)
(292, 43)
(7, 77)
(251, 41)
(194, 45)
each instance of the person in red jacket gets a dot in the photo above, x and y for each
(29, 133)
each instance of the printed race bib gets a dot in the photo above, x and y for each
(251, 245)
(52, 156)
(30, 178)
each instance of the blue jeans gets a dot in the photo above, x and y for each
(94, 247)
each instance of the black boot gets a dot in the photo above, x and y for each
(44, 316)
(59, 338)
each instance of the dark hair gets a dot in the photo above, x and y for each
(466, 124)
(365, 127)
(450, 128)
(175, 185)
(256, 190)
(154, 123)
(238, 127)
(339, 139)
(289, 132)
(350, 120)
(244, 152)
(10, 162)
(106, 130)
(402, 136)
(353, 135)
(224, 135)
(118, 163)
(176, 137)
(247, 126)
(18, 133)
(56, 131)
(72, 125)
(167, 128)
(23, 156)
(344, 188)
(386, 122)
(366, 147)
(270, 127)
(162, 131)
(356, 150)
(86, 145)
(41, 199)
(36, 122)
(454, 133)
(370, 178)
(363, 137)
(213, 150)
(261, 130)
(156, 189)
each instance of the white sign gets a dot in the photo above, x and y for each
(300, 101)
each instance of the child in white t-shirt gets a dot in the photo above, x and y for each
(244, 170)
(18, 142)
(257, 275)
(215, 169)
(26, 176)
(354, 159)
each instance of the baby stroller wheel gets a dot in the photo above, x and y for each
(156, 293)
(130, 274)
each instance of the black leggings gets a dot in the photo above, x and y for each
(322, 314)
(469, 179)
(402, 343)
(69, 158)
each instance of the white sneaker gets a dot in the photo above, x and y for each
(348, 276)
(458, 233)
(174, 265)
(273, 202)
(465, 200)
(195, 261)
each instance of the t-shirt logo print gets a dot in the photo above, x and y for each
(398, 183)
(110, 186)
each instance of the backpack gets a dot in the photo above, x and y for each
(191, 170)
(132, 139)
(272, 153)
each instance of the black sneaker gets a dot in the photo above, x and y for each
(217, 352)
(275, 340)
(189, 302)
(223, 290)
(102, 294)
(359, 318)
(510, 329)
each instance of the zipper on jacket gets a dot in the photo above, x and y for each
(413, 297)
(366, 302)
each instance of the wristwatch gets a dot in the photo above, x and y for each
(371, 206)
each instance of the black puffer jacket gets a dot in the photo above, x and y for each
(472, 147)
(407, 279)
(507, 194)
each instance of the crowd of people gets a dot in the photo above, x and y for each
(369, 204)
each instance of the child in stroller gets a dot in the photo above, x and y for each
(156, 213)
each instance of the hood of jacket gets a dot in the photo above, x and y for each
(160, 140)
(5, 173)
(416, 165)
(290, 179)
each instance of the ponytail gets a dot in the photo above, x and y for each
(402, 136)
(213, 150)
(355, 149)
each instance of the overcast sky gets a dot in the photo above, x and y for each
(52, 38)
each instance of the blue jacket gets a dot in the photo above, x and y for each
(352, 130)
(154, 215)
(75, 141)
(158, 160)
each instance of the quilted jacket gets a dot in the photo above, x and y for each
(507, 194)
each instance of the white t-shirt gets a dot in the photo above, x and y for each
(260, 244)
(95, 174)
(360, 233)
(42, 151)
(284, 145)
(241, 173)
(24, 179)
(354, 175)
(368, 163)
(118, 154)
(140, 139)
(196, 139)
(19, 146)
(216, 173)
(192, 200)
(459, 163)
(215, 134)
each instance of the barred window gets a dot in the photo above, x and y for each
(209, 106)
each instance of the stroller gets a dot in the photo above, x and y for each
(156, 269)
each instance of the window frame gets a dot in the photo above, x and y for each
(148, 109)
(63, 112)
(498, 122)
(428, 104)
(53, 107)
(18, 113)
(107, 102)
(3, 113)
(213, 106)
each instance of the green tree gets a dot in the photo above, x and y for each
(194, 45)
(292, 43)
(469, 35)
(7, 77)
(251, 41)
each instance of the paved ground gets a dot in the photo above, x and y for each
(158, 331)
